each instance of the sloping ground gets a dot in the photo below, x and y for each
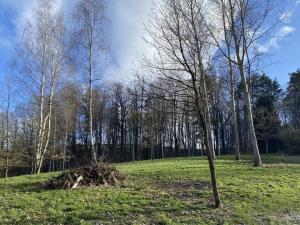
(174, 191)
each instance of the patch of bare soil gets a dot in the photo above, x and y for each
(292, 218)
(183, 185)
(185, 190)
(289, 218)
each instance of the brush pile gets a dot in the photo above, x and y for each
(98, 175)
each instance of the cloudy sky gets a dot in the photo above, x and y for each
(127, 26)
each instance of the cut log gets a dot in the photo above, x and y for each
(75, 185)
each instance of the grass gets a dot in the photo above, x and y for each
(170, 191)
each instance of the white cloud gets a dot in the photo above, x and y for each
(286, 30)
(274, 41)
(127, 20)
(283, 32)
(24, 11)
(286, 16)
(127, 28)
(21, 11)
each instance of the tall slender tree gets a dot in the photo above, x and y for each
(89, 18)
(41, 57)
(245, 22)
(179, 37)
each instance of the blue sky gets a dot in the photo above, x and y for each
(284, 54)
(127, 21)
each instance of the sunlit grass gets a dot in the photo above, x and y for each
(171, 191)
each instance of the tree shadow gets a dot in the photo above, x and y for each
(26, 186)
(280, 160)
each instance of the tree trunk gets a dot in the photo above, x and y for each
(135, 141)
(7, 133)
(236, 145)
(122, 149)
(240, 62)
(210, 156)
(217, 147)
(65, 150)
(49, 119)
(152, 152)
(162, 146)
(267, 147)
(205, 121)
(91, 143)
(6, 165)
(211, 167)
(253, 140)
(40, 129)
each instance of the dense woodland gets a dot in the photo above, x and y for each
(201, 92)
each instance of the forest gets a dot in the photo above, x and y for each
(201, 92)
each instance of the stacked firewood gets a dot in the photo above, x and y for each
(97, 175)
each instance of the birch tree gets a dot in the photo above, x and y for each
(6, 139)
(228, 44)
(41, 57)
(89, 46)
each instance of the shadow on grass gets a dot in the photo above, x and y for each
(266, 159)
(277, 159)
(28, 186)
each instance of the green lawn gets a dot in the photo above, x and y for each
(172, 191)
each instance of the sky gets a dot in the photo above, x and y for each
(127, 20)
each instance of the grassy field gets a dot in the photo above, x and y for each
(172, 191)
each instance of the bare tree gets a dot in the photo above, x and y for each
(179, 37)
(89, 21)
(69, 106)
(8, 106)
(7, 96)
(244, 24)
(42, 54)
(228, 44)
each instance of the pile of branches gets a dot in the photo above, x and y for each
(98, 175)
